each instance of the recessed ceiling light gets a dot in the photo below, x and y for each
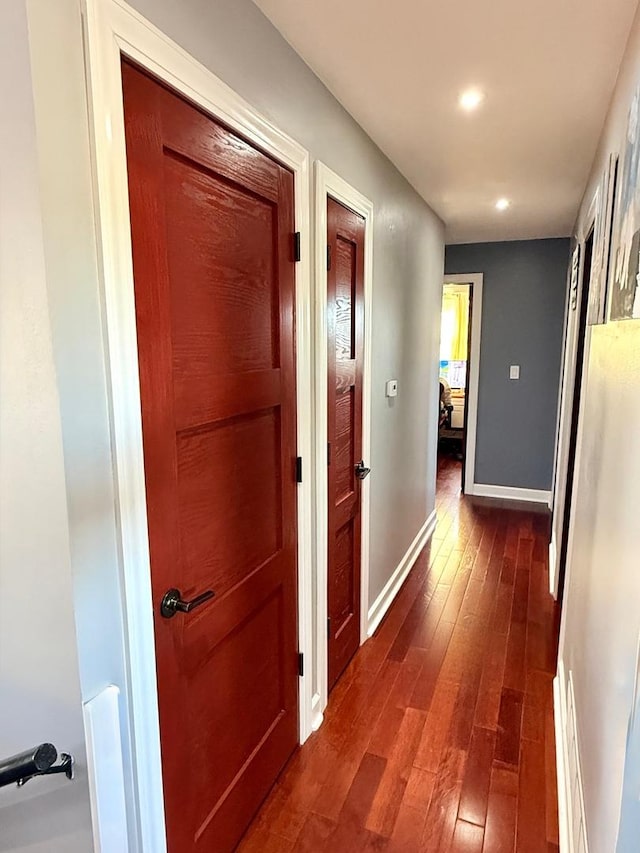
(471, 99)
(502, 204)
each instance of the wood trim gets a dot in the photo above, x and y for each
(564, 794)
(571, 811)
(565, 404)
(471, 402)
(511, 493)
(553, 556)
(105, 770)
(328, 183)
(112, 29)
(383, 602)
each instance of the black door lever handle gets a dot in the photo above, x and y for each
(361, 471)
(172, 602)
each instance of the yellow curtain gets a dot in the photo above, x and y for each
(454, 332)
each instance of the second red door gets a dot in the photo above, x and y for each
(345, 316)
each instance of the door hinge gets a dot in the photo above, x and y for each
(297, 252)
(329, 627)
(300, 664)
(329, 256)
(328, 453)
(298, 469)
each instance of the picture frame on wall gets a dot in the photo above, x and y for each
(605, 206)
(624, 276)
(573, 285)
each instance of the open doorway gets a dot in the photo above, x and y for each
(458, 375)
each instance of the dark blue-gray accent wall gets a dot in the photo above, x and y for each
(523, 309)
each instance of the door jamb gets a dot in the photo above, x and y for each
(112, 29)
(328, 183)
(566, 394)
(471, 401)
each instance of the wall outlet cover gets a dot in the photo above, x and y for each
(514, 371)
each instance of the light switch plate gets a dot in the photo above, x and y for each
(391, 388)
(514, 371)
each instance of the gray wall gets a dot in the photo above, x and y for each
(522, 323)
(236, 41)
(39, 680)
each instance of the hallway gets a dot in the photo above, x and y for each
(439, 736)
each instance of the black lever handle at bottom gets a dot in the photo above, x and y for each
(172, 602)
(361, 471)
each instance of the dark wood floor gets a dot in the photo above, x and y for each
(439, 736)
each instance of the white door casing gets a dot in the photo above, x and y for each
(471, 401)
(114, 29)
(328, 183)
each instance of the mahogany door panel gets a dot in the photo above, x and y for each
(345, 316)
(212, 225)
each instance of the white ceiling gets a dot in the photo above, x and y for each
(547, 68)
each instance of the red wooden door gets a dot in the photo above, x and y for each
(345, 315)
(211, 224)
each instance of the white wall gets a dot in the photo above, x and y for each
(236, 41)
(39, 685)
(601, 618)
(64, 159)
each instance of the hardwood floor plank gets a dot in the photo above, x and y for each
(443, 808)
(531, 829)
(500, 827)
(314, 835)
(424, 633)
(490, 689)
(436, 730)
(414, 619)
(409, 825)
(261, 841)
(355, 811)
(467, 838)
(477, 777)
(515, 670)
(509, 727)
(504, 781)
(391, 790)
(502, 612)
(425, 686)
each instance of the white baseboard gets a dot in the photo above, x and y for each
(316, 712)
(391, 588)
(564, 794)
(105, 771)
(510, 493)
(553, 567)
(572, 830)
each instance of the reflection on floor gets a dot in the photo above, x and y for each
(439, 737)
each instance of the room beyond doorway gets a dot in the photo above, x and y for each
(458, 372)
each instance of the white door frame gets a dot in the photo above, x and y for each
(328, 183)
(471, 399)
(113, 29)
(567, 388)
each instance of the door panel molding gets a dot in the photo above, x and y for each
(328, 183)
(112, 30)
